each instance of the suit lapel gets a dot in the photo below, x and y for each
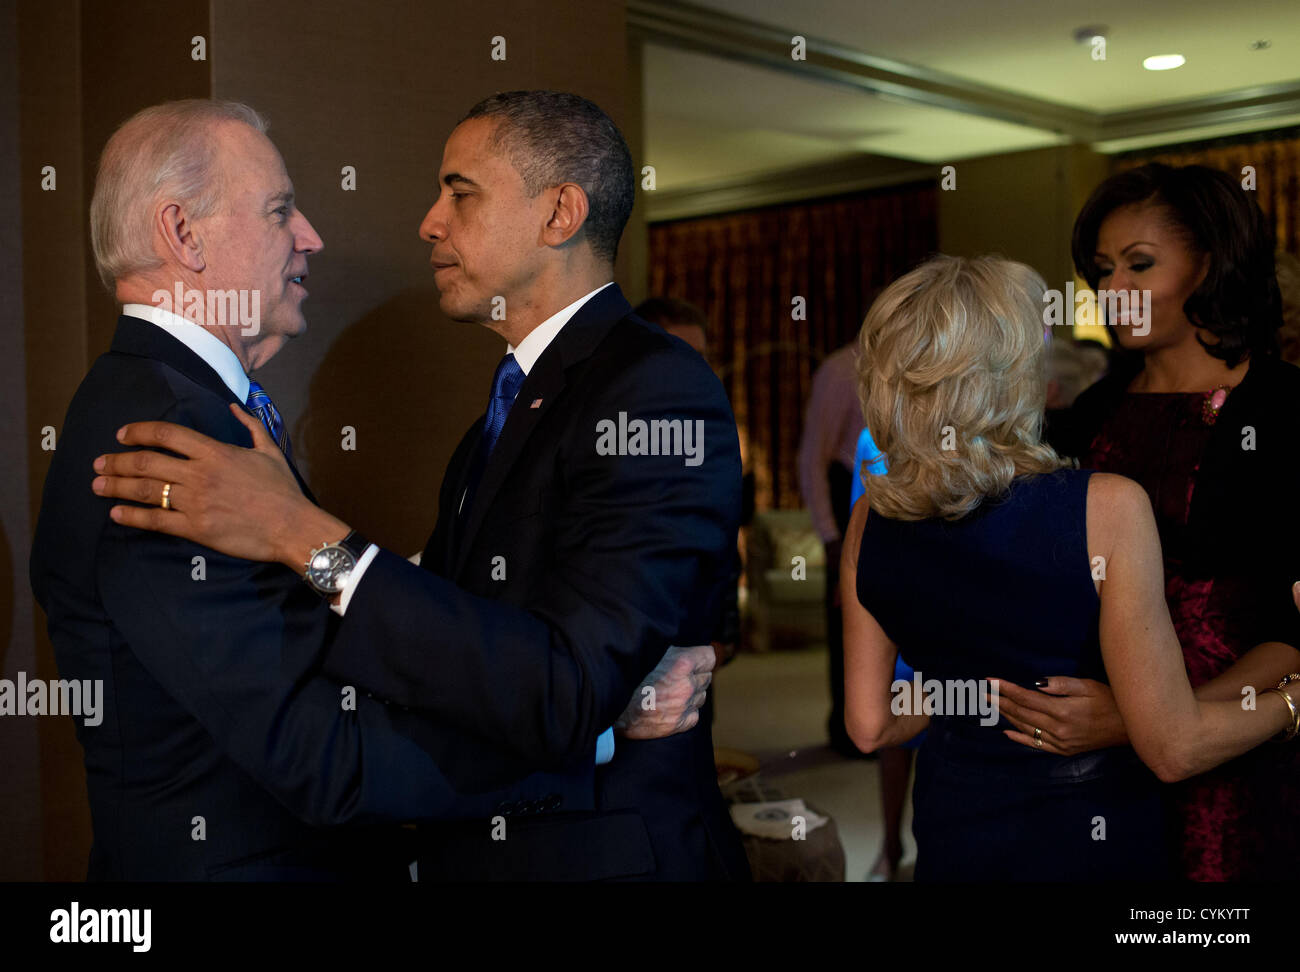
(440, 550)
(544, 386)
(146, 340)
(302, 483)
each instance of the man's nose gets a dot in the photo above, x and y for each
(433, 227)
(306, 240)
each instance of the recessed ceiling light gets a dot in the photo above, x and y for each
(1164, 62)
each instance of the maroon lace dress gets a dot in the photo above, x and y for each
(1231, 822)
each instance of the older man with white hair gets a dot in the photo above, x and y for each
(223, 752)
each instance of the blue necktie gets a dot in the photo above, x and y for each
(260, 404)
(506, 383)
(505, 386)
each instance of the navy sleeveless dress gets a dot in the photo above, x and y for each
(1007, 592)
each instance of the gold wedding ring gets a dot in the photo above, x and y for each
(1038, 737)
(167, 496)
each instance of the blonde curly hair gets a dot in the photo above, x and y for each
(952, 381)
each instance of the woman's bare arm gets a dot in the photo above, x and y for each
(1260, 668)
(1174, 732)
(869, 658)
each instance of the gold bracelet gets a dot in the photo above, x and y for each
(1288, 734)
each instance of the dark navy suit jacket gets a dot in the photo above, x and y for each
(214, 704)
(587, 567)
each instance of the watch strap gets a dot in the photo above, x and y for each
(355, 544)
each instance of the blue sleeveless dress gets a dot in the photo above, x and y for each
(1007, 592)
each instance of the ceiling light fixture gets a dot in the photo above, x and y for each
(1164, 62)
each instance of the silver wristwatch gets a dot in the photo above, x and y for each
(329, 567)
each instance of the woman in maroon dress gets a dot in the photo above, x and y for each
(1199, 410)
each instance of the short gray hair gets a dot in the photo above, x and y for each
(165, 151)
(553, 137)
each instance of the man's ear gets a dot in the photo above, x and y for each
(179, 237)
(568, 214)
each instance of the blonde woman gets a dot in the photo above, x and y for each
(980, 552)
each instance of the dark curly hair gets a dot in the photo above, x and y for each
(1238, 301)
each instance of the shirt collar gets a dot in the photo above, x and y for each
(207, 346)
(532, 346)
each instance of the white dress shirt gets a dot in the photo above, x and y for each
(540, 337)
(207, 346)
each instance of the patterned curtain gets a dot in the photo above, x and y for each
(1275, 157)
(783, 287)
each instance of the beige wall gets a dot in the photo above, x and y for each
(378, 88)
(1021, 205)
(346, 84)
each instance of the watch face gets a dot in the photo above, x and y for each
(330, 567)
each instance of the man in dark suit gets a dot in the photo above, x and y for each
(223, 753)
(590, 515)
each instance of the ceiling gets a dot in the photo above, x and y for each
(934, 81)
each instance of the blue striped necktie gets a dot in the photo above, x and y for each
(260, 404)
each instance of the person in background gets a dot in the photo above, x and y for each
(679, 318)
(1072, 366)
(827, 450)
(1205, 415)
(684, 320)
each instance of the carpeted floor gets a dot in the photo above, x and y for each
(774, 707)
